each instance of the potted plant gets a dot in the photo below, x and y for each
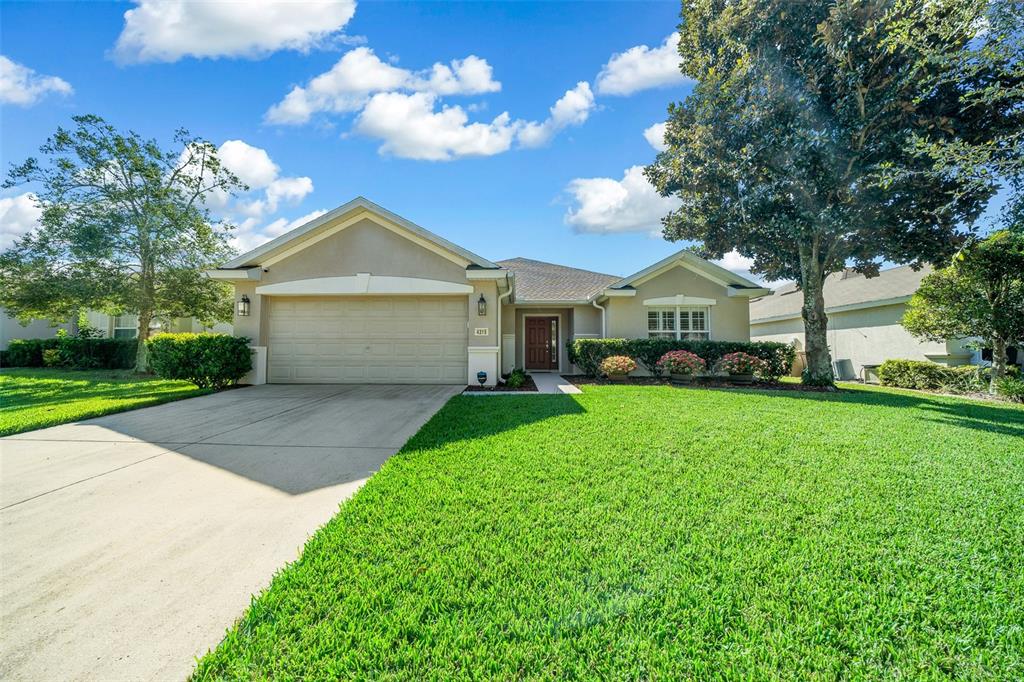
(616, 367)
(740, 367)
(681, 365)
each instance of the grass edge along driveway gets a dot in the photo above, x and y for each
(652, 532)
(34, 398)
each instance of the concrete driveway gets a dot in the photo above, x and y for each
(129, 543)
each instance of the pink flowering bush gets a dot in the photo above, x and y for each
(618, 364)
(681, 362)
(739, 363)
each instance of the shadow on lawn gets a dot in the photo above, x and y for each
(470, 417)
(1006, 420)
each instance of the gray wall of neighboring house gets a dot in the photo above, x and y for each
(867, 336)
(11, 329)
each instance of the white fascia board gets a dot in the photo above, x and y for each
(550, 304)
(618, 292)
(364, 285)
(487, 274)
(250, 274)
(679, 299)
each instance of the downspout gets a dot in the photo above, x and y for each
(604, 331)
(500, 335)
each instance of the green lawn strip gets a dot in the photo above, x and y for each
(32, 398)
(648, 532)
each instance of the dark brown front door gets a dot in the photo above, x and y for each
(541, 343)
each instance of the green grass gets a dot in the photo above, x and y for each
(31, 398)
(661, 533)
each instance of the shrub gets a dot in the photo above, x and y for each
(929, 376)
(738, 363)
(206, 360)
(73, 352)
(617, 365)
(587, 354)
(516, 378)
(681, 362)
(1011, 388)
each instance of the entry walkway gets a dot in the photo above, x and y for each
(549, 382)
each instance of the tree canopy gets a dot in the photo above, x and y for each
(981, 294)
(805, 142)
(125, 228)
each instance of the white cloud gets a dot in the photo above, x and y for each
(19, 215)
(289, 190)
(251, 233)
(655, 136)
(360, 73)
(640, 68)
(412, 128)
(741, 265)
(606, 205)
(251, 164)
(23, 86)
(167, 30)
(573, 108)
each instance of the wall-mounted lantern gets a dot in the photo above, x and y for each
(243, 306)
(481, 306)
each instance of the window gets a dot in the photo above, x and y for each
(693, 323)
(661, 323)
(126, 327)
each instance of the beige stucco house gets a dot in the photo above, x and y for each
(864, 315)
(363, 295)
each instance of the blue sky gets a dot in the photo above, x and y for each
(506, 189)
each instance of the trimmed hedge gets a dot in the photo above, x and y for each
(587, 354)
(72, 352)
(929, 376)
(206, 360)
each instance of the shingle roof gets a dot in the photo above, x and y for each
(540, 281)
(842, 289)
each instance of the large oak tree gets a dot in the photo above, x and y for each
(125, 228)
(809, 141)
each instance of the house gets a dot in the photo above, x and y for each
(110, 326)
(363, 295)
(864, 315)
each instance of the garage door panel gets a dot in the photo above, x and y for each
(367, 339)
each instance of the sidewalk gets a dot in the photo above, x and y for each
(548, 382)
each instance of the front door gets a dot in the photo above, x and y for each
(541, 343)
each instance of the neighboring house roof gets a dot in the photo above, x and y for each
(847, 290)
(540, 281)
(254, 257)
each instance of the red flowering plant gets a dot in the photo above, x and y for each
(681, 362)
(739, 363)
(618, 365)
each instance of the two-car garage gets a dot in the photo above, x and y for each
(367, 339)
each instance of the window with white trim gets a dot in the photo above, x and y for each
(126, 327)
(679, 322)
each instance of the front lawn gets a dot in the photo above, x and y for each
(659, 533)
(31, 398)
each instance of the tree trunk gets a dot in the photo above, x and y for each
(818, 369)
(998, 362)
(140, 353)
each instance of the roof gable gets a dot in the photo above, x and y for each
(307, 234)
(696, 264)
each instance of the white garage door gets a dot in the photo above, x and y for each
(405, 340)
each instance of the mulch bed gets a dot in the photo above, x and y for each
(580, 380)
(527, 387)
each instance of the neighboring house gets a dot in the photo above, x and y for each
(363, 295)
(864, 315)
(111, 326)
